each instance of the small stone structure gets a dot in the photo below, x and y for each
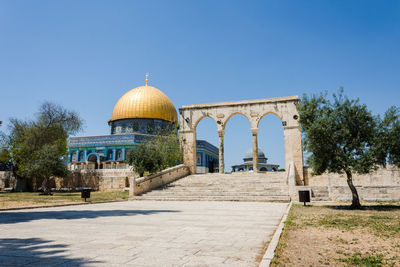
(7, 180)
(254, 110)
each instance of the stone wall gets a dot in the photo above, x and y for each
(144, 184)
(380, 185)
(7, 180)
(103, 180)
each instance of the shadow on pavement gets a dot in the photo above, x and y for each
(36, 252)
(26, 216)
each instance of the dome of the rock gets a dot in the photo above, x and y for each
(145, 102)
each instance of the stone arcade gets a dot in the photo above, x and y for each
(254, 110)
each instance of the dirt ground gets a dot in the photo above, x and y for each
(336, 236)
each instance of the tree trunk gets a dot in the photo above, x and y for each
(46, 190)
(355, 203)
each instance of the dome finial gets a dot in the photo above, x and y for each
(147, 79)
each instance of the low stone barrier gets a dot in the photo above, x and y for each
(144, 184)
(380, 185)
(103, 180)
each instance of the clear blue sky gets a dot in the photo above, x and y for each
(85, 54)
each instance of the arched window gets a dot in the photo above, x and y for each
(109, 155)
(74, 156)
(81, 156)
(119, 154)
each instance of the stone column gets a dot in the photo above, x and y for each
(294, 151)
(221, 134)
(132, 185)
(188, 143)
(123, 154)
(254, 131)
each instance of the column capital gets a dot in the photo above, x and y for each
(221, 133)
(254, 130)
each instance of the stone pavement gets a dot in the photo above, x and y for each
(139, 233)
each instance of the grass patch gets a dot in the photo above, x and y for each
(33, 199)
(368, 261)
(385, 225)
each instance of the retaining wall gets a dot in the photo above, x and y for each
(380, 185)
(103, 180)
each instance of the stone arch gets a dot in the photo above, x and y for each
(94, 158)
(267, 113)
(254, 110)
(276, 127)
(234, 114)
(195, 131)
(200, 119)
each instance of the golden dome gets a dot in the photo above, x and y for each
(144, 102)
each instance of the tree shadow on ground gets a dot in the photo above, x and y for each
(378, 207)
(26, 216)
(37, 252)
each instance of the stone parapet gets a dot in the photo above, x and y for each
(145, 184)
(388, 176)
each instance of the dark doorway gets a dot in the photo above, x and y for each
(93, 159)
(211, 166)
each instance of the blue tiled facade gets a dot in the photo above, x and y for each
(104, 151)
(206, 157)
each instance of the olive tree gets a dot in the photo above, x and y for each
(342, 136)
(36, 147)
(155, 153)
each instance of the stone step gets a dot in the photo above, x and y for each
(202, 198)
(218, 195)
(224, 187)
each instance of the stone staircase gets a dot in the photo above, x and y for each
(271, 186)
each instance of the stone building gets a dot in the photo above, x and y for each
(206, 157)
(262, 164)
(140, 113)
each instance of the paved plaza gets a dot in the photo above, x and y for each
(139, 233)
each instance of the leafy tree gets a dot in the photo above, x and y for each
(388, 136)
(344, 137)
(5, 160)
(29, 143)
(156, 153)
(47, 163)
(144, 157)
